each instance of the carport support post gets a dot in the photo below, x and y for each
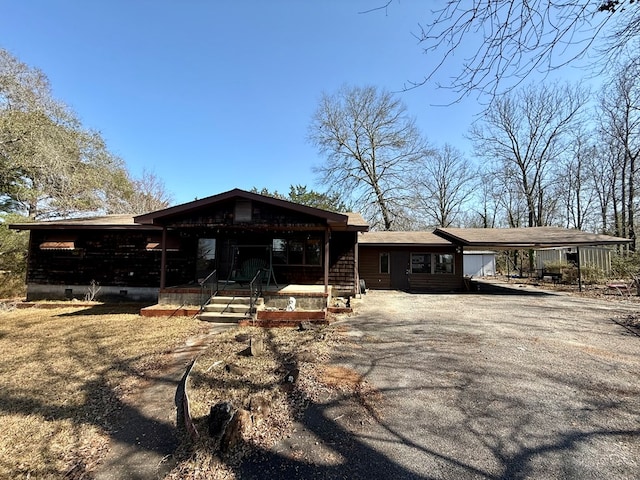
(579, 270)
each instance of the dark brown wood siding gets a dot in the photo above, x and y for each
(107, 257)
(369, 268)
(342, 262)
(121, 257)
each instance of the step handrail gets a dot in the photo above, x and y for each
(204, 301)
(255, 287)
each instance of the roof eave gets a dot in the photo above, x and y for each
(67, 226)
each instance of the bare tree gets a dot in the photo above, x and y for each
(372, 147)
(444, 186)
(574, 181)
(486, 204)
(510, 39)
(524, 134)
(620, 129)
(150, 193)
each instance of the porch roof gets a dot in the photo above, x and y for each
(530, 237)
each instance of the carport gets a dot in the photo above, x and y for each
(526, 239)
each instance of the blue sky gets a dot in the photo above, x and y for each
(213, 95)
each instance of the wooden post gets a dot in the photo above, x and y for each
(579, 270)
(163, 259)
(356, 273)
(326, 260)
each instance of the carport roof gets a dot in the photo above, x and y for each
(531, 237)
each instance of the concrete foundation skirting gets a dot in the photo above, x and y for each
(105, 293)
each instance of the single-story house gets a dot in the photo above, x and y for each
(233, 235)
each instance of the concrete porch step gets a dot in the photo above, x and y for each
(227, 308)
(234, 300)
(217, 317)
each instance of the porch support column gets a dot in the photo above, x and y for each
(326, 260)
(356, 262)
(163, 259)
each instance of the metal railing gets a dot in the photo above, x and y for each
(255, 290)
(212, 280)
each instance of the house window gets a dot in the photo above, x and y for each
(444, 263)
(297, 251)
(59, 242)
(313, 252)
(420, 263)
(384, 262)
(279, 251)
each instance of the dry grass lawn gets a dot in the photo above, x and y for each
(64, 373)
(224, 374)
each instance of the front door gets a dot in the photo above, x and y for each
(206, 259)
(399, 270)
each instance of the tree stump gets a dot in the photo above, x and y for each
(219, 417)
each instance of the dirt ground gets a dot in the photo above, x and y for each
(496, 384)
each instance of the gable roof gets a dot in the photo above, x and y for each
(352, 221)
(530, 237)
(154, 220)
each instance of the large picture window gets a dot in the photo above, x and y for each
(444, 263)
(420, 263)
(297, 251)
(432, 263)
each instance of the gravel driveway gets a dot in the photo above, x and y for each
(495, 386)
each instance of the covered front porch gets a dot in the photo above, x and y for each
(236, 234)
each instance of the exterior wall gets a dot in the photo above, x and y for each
(119, 258)
(342, 263)
(369, 269)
